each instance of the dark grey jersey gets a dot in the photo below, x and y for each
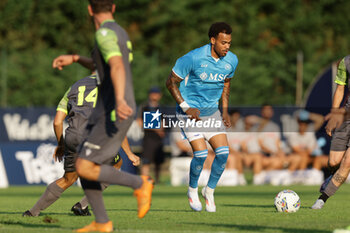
(342, 77)
(78, 103)
(105, 132)
(112, 40)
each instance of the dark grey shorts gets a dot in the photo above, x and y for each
(104, 139)
(72, 140)
(71, 154)
(340, 137)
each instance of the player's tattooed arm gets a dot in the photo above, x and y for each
(172, 85)
(225, 96)
(340, 179)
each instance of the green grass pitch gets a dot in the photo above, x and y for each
(239, 209)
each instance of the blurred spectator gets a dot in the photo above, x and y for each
(270, 144)
(269, 138)
(247, 137)
(153, 138)
(234, 137)
(251, 153)
(304, 144)
(269, 133)
(237, 124)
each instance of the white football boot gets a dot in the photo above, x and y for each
(193, 199)
(319, 203)
(208, 195)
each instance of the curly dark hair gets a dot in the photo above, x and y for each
(99, 6)
(218, 27)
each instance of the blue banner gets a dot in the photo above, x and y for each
(26, 124)
(30, 163)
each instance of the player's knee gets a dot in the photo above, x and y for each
(84, 168)
(70, 179)
(333, 162)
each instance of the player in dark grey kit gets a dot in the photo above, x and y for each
(339, 157)
(77, 104)
(112, 117)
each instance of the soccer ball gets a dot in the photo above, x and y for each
(287, 201)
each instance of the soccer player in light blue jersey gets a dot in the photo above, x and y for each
(204, 75)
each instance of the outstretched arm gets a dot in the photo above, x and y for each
(66, 60)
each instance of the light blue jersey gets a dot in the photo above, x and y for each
(204, 78)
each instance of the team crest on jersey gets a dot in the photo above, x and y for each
(203, 76)
(227, 66)
(104, 32)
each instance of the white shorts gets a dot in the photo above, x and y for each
(215, 127)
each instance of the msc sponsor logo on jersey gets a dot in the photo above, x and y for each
(203, 76)
(213, 77)
(151, 120)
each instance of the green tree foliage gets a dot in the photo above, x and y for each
(32, 33)
(267, 35)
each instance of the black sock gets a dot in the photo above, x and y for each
(84, 201)
(324, 197)
(329, 191)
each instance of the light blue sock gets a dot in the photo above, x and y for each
(197, 166)
(218, 166)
